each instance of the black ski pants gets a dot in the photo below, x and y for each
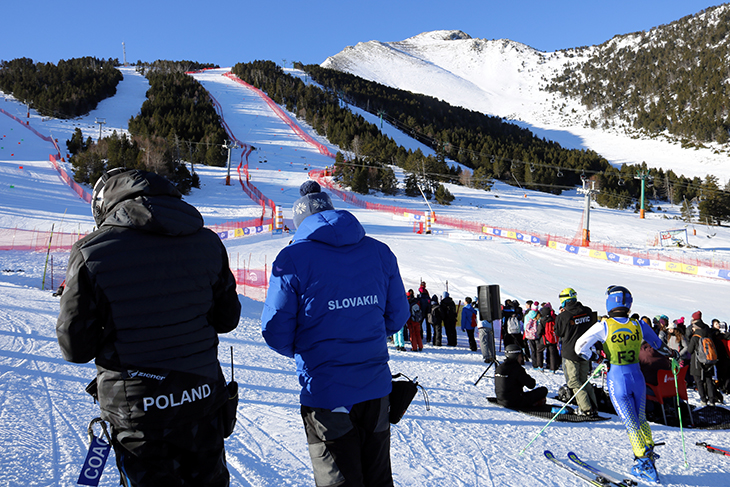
(450, 330)
(350, 449)
(187, 455)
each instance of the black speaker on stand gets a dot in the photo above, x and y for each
(490, 310)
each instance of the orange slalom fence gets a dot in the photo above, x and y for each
(248, 188)
(76, 187)
(26, 124)
(346, 196)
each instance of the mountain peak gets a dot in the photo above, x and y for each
(441, 35)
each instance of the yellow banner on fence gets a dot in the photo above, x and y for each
(598, 254)
(683, 268)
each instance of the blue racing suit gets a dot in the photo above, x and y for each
(622, 340)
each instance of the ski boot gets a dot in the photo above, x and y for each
(651, 454)
(644, 469)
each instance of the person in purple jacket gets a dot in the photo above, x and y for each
(334, 296)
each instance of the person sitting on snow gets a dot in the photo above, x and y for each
(510, 378)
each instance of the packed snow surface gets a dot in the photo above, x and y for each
(462, 440)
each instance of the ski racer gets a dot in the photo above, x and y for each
(622, 339)
(334, 296)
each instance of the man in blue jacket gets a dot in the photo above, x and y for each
(467, 315)
(334, 296)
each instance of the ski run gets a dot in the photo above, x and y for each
(463, 440)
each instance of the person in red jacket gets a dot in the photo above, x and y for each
(414, 322)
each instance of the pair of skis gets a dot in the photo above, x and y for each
(589, 473)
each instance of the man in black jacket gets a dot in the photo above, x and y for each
(448, 309)
(702, 372)
(572, 322)
(509, 379)
(146, 296)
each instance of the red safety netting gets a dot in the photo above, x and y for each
(78, 189)
(37, 240)
(283, 116)
(251, 280)
(232, 225)
(321, 177)
(252, 191)
(248, 188)
(477, 227)
(26, 124)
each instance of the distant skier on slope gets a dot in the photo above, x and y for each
(622, 340)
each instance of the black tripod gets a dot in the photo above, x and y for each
(492, 362)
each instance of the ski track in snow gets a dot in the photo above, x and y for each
(462, 441)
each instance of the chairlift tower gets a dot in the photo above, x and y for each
(588, 192)
(229, 145)
(124, 53)
(643, 176)
(101, 122)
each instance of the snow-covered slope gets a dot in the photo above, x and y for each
(461, 441)
(507, 79)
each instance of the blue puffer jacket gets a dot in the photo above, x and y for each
(334, 296)
(466, 317)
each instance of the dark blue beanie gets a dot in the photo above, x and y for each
(313, 201)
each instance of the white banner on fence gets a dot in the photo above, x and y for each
(245, 232)
(673, 238)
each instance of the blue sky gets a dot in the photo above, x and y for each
(227, 32)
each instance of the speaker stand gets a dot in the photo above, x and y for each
(492, 362)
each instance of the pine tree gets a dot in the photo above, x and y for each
(76, 144)
(360, 181)
(713, 207)
(480, 179)
(388, 181)
(443, 195)
(412, 185)
(687, 211)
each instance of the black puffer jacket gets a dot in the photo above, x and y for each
(509, 380)
(700, 330)
(571, 324)
(146, 296)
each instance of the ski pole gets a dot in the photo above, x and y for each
(594, 374)
(50, 239)
(675, 369)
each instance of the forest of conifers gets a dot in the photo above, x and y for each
(492, 148)
(672, 78)
(178, 123)
(65, 90)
